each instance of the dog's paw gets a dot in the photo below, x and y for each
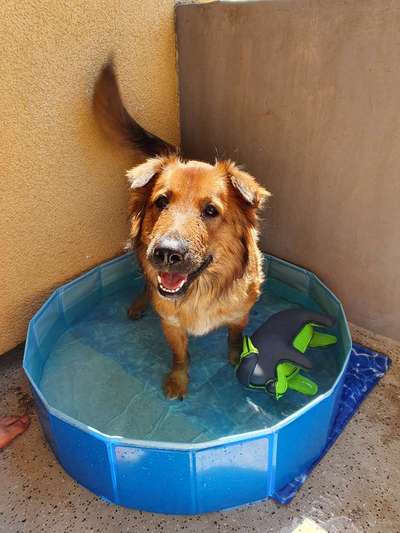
(233, 357)
(134, 313)
(176, 384)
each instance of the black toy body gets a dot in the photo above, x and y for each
(274, 355)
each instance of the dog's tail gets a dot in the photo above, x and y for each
(117, 122)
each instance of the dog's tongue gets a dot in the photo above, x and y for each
(172, 280)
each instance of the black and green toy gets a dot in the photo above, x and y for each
(274, 355)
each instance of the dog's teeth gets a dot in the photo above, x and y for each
(171, 291)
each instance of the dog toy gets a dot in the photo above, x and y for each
(273, 356)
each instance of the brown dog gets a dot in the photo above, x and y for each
(194, 226)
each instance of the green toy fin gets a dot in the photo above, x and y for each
(289, 377)
(307, 337)
(303, 338)
(303, 384)
(320, 340)
(284, 371)
(248, 347)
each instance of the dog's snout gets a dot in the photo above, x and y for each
(169, 253)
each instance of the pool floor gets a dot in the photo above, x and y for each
(107, 372)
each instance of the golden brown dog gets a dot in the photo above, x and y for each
(194, 226)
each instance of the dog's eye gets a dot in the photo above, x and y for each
(162, 202)
(210, 211)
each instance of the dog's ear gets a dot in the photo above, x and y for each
(139, 179)
(141, 175)
(253, 193)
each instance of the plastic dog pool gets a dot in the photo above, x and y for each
(97, 381)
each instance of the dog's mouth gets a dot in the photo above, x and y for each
(174, 284)
(171, 282)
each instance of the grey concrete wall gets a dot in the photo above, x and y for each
(306, 93)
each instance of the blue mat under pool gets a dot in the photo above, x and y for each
(365, 369)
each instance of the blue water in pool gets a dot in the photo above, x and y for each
(107, 372)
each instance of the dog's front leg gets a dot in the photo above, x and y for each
(235, 340)
(139, 305)
(177, 380)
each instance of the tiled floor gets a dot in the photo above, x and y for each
(355, 488)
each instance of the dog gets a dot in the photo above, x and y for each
(194, 226)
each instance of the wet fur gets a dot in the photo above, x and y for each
(226, 290)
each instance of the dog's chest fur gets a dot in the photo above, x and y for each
(205, 318)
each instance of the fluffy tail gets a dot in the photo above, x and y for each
(117, 122)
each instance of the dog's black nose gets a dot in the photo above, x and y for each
(171, 255)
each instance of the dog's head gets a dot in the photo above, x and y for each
(191, 220)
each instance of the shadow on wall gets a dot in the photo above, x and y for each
(305, 94)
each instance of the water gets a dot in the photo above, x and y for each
(107, 372)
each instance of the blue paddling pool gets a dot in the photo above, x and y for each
(97, 381)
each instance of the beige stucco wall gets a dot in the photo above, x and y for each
(62, 187)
